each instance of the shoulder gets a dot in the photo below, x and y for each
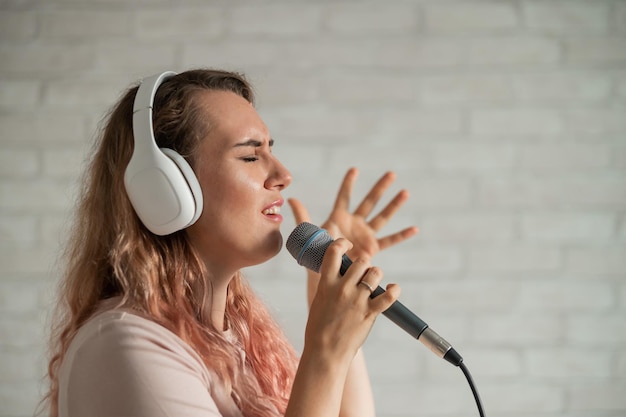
(122, 335)
(121, 363)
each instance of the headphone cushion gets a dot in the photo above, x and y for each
(190, 178)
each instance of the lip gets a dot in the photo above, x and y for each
(274, 217)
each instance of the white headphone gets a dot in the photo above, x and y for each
(161, 185)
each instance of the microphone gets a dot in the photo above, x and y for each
(308, 243)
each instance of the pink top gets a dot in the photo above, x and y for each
(123, 365)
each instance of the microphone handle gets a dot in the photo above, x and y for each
(413, 325)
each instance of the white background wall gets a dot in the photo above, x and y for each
(506, 120)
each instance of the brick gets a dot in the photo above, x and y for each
(598, 50)
(514, 51)
(19, 94)
(21, 366)
(461, 89)
(565, 156)
(514, 258)
(620, 89)
(394, 399)
(375, 159)
(610, 259)
(368, 89)
(600, 330)
(619, 17)
(599, 397)
(138, 58)
(17, 26)
(423, 260)
(40, 127)
(473, 158)
(19, 398)
(18, 231)
(93, 92)
(595, 121)
(48, 58)
(517, 121)
(371, 19)
(439, 193)
(377, 53)
(574, 87)
(21, 332)
(18, 163)
(467, 227)
(279, 89)
(34, 196)
(307, 122)
(518, 330)
(468, 296)
(568, 362)
(567, 226)
(574, 17)
(557, 193)
(17, 262)
(620, 370)
(488, 364)
(62, 163)
(20, 297)
(80, 24)
(413, 121)
(275, 20)
(180, 23)
(566, 296)
(477, 17)
(538, 398)
(381, 372)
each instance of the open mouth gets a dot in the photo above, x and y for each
(272, 211)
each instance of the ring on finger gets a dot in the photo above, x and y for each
(367, 285)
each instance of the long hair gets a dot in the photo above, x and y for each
(110, 253)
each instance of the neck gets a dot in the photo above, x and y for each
(215, 299)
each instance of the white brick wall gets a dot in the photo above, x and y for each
(505, 120)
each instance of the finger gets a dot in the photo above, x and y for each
(355, 273)
(383, 301)
(371, 199)
(342, 202)
(332, 258)
(373, 276)
(390, 209)
(398, 237)
(300, 212)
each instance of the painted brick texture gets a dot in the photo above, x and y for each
(506, 122)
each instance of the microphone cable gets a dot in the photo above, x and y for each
(470, 381)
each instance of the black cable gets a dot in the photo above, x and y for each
(471, 384)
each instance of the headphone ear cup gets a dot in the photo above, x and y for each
(191, 179)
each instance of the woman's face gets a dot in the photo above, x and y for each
(241, 184)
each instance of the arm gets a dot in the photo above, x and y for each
(357, 398)
(340, 318)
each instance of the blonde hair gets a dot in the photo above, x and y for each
(110, 253)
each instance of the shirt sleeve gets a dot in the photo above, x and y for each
(126, 366)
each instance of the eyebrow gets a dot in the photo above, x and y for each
(253, 142)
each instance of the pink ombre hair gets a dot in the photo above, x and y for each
(111, 254)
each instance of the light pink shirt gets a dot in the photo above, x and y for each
(123, 365)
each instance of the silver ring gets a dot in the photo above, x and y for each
(369, 287)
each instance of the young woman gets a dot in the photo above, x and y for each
(162, 323)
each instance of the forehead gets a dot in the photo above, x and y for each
(231, 116)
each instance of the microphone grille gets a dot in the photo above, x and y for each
(307, 244)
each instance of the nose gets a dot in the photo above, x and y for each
(279, 177)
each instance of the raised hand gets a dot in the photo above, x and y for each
(355, 226)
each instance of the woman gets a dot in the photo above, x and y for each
(164, 324)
